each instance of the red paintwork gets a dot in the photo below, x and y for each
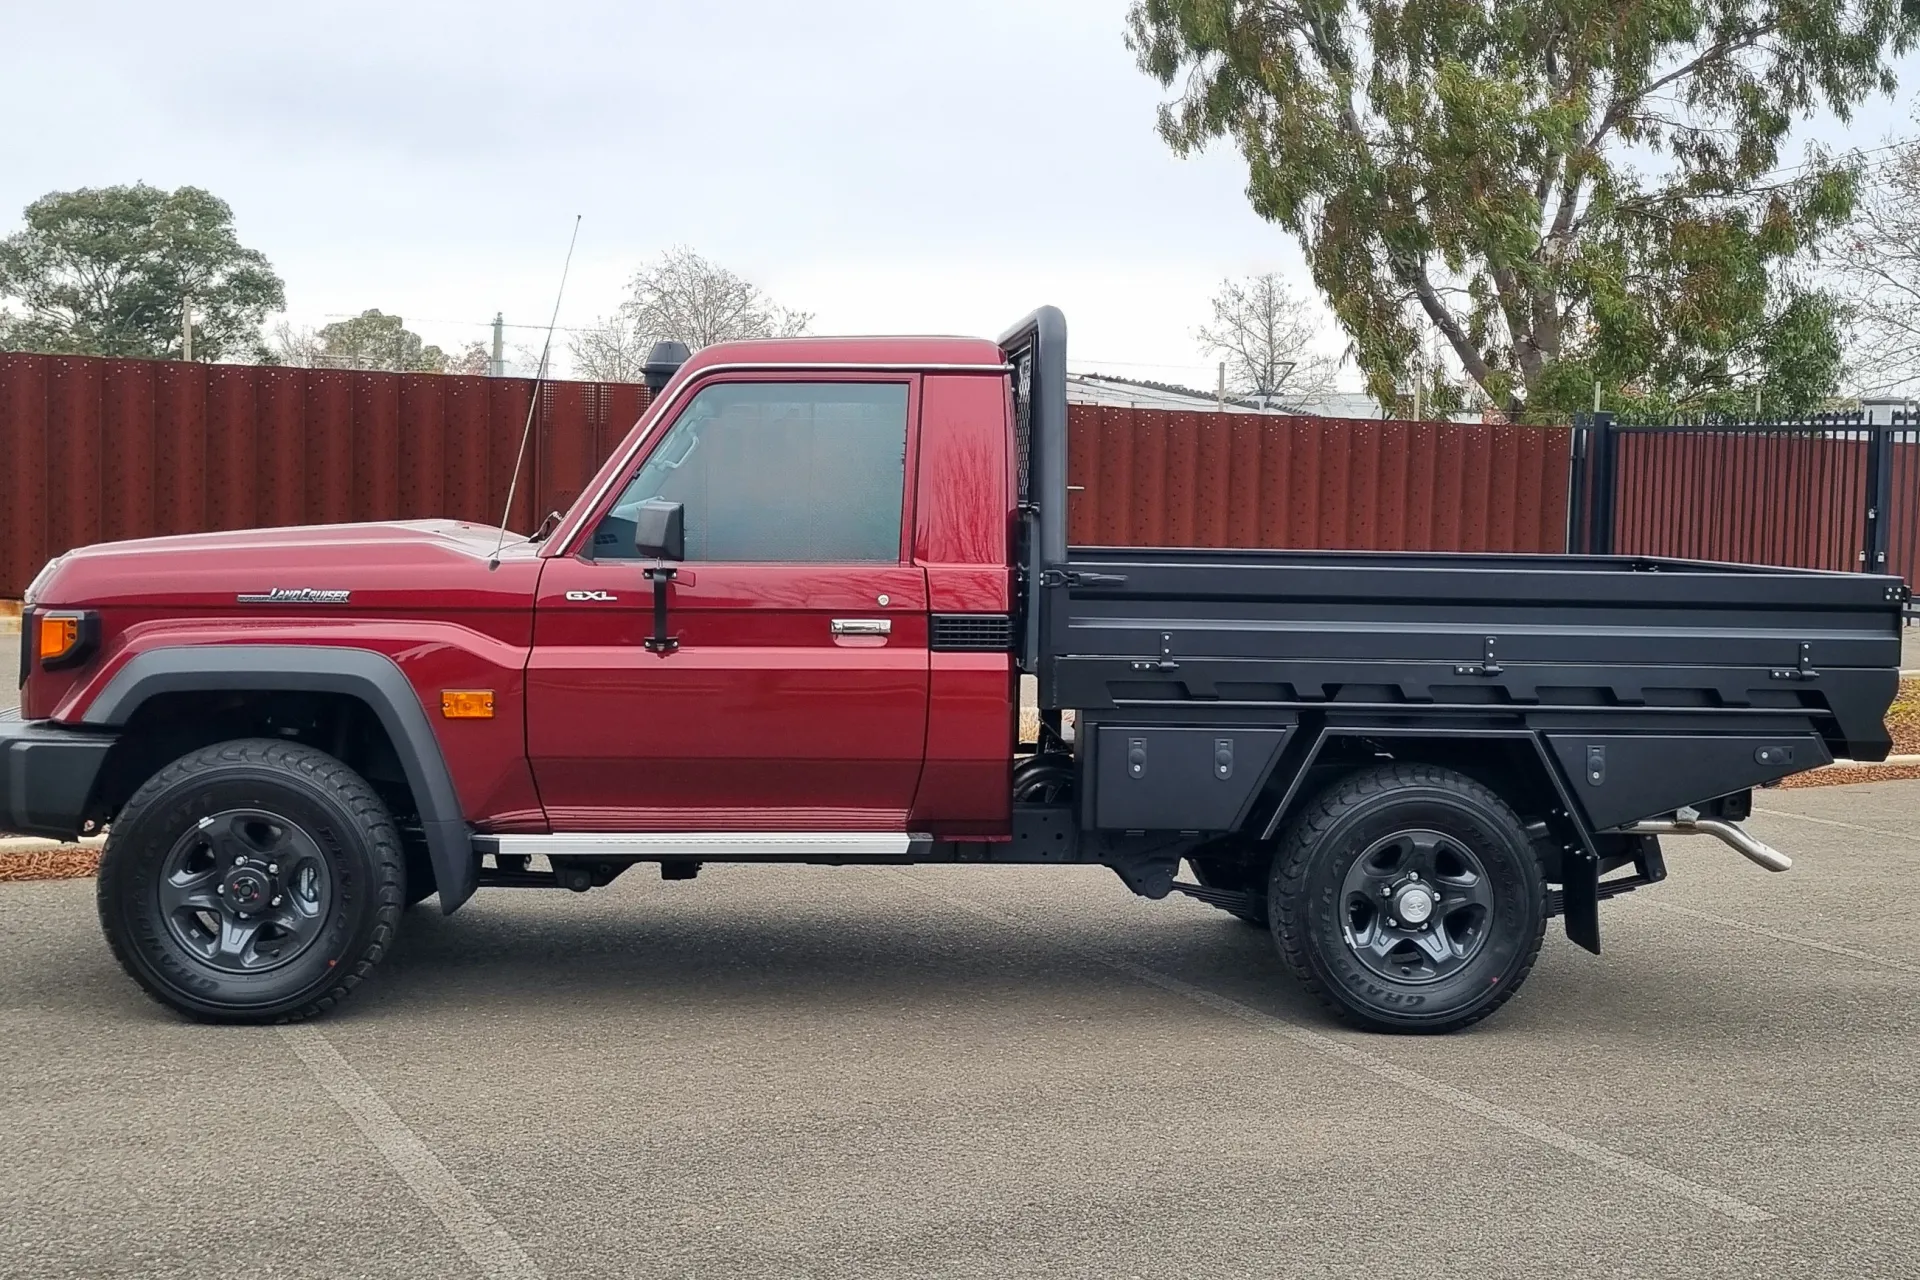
(963, 529)
(761, 720)
(422, 594)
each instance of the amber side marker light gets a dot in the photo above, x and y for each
(466, 704)
(65, 637)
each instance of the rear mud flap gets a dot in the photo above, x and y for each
(1580, 889)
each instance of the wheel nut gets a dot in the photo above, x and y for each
(277, 899)
(273, 868)
(240, 860)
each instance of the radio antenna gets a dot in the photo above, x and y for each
(533, 402)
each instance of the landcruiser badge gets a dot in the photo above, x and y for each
(294, 595)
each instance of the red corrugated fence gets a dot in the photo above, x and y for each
(1148, 477)
(1752, 497)
(93, 450)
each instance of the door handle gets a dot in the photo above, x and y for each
(863, 626)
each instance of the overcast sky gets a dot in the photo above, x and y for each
(890, 166)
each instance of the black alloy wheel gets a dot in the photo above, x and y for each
(1417, 906)
(1408, 898)
(245, 890)
(251, 881)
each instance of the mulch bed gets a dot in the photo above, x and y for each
(63, 862)
(69, 861)
(1903, 718)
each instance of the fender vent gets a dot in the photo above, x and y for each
(971, 633)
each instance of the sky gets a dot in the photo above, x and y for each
(890, 167)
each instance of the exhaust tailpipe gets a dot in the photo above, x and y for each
(1728, 833)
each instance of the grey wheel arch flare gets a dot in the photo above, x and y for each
(371, 677)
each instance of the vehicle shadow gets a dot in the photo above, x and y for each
(512, 956)
(855, 956)
(854, 961)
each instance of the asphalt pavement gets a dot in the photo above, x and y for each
(991, 1072)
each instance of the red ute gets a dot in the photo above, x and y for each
(788, 619)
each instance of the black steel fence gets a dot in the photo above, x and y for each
(1834, 491)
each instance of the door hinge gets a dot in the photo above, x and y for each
(1064, 578)
(1487, 666)
(1804, 671)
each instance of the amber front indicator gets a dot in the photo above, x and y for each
(65, 637)
(467, 704)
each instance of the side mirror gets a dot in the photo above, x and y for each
(659, 529)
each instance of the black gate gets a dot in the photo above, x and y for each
(1834, 491)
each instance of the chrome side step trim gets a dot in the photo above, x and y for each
(711, 846)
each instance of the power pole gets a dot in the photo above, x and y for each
(186, 327)
(497, 367)
(1220, 393)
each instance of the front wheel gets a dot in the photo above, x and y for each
(252, 881)
(1408, 898)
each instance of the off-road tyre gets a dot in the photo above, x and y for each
(1215, 873)
(348, 839)
(1308, 896)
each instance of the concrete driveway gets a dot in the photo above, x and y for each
(991, 1072)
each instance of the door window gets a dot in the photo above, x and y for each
(780, 473)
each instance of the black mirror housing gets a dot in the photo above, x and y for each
(660, 529)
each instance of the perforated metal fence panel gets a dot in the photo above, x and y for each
(93, 450)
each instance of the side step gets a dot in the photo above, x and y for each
(714, 846)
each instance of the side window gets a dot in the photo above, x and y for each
(781, 473)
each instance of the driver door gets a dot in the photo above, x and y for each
(796, 698)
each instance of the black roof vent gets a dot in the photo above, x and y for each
(663, 361)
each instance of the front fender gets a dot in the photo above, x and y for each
(371, 677)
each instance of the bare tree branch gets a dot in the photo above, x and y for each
(685, 298)
(1878, 266)
(611, 349)
(1268, 337)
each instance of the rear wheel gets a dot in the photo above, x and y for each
(1408, 898)
(252, 881)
